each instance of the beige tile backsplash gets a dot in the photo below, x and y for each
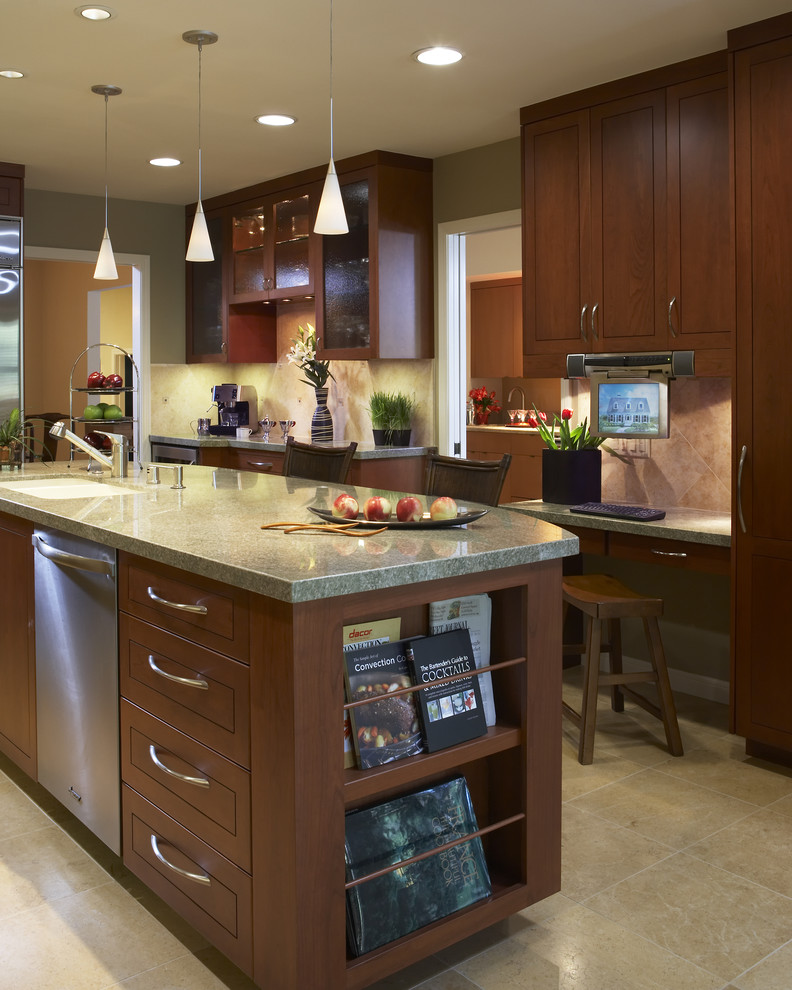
(278, 391)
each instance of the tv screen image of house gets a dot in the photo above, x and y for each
(629, 407)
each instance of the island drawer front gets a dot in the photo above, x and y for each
(210, 613)
(218, 715)
(672, 553)
(213, 802)
(221, 909)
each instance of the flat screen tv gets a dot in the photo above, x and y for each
(629, 407)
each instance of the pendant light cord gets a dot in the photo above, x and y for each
(106, 97)
(200, 62)
(331, 80)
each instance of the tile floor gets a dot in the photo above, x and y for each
(677, 875)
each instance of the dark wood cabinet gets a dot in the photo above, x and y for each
(524, 477)
(12, 189)
(375, 296)
(762, 433)
(496, 328)
(627, 219)
(17, 645)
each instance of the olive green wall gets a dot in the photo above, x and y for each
(477, 182)
(67, 221)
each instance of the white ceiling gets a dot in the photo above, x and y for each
(274, 57)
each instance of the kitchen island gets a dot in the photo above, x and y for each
(231, 675)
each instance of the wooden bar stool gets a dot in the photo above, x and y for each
(603, 598)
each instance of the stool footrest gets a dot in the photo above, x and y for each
(633, 677)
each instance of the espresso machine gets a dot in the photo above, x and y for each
(231, 411)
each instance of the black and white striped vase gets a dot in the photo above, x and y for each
(322, 420)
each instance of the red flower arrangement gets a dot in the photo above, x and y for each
(484, 403)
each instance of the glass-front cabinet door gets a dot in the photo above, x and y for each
(206, 316)
(345, 314)
(271, 247)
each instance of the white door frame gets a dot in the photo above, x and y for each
(141, 323)
(451, 361)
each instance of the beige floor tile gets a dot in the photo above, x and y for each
(783, 806)
(720, 922)
(579, 950)
(773, 973)
(86, 941)
(19, 814)
(577, 779)
(184, 973)
(756, 848)
(596, 854)
(754, 784)
(43, 867)
(664, 808)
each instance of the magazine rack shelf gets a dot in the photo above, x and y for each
(301, 791)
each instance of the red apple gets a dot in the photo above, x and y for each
(113, 381)
(443, 508)
(345, 507)
(96, 380)
(377, 508)
(98, 440)
(409, 509)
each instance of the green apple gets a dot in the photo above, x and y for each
(113, 412)
(93, 412)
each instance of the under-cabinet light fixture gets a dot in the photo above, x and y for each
(331, 216)
(200, 246)
(105, 262)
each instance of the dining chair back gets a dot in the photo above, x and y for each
(319, 462)
(461, 478)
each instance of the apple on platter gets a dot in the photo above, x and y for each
(443, 508)
(96, 380)
(113, 381)
(345, 507)
(377, 509)
(409, 509)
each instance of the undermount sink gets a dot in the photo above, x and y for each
(60, 488)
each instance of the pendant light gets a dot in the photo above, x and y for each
(331, 217)
(200, 246)
(105, 263)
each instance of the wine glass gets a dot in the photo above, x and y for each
(266, 425)
(286, 425)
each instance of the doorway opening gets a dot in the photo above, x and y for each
(453, 344)
(140, 327)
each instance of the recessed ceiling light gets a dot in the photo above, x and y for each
(165, 162)
(92, 13)
(276, 119)
(11, 73)
(437, 56)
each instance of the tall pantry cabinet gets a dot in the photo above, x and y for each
(762, 549)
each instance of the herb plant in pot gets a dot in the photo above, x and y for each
(391, 416)
(571, 462)
(13, 441)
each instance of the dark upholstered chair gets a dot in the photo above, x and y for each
(477, 481)
(317, 461)
(37, 433)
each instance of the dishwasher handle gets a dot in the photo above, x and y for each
(77, 561)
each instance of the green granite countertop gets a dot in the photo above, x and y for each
(691, 525)
(365, 450)
(212, 527)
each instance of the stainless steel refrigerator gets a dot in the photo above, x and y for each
(10, 315)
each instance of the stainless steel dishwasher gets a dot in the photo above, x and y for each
(77, 679)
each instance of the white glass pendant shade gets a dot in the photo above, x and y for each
(200, 246)
(105, 263)
(331, 216)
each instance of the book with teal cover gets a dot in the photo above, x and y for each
(399, 902)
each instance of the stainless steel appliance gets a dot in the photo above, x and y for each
(10, 315)
(231, 412)
(77, 679)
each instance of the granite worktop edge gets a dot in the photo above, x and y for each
(365, 450)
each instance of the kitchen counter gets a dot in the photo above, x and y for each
(689, 525)
(212, 527)
(365, 450)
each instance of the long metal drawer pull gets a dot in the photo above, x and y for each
(198, 609)
(198, 781)
(670, 321)
(594, 309)
(196, 877)
(582, 321)
(77, 561)
(740, 466)
(193, 682)
(670, 553)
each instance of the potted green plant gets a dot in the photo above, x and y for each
(13, 440)
(391, 417)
